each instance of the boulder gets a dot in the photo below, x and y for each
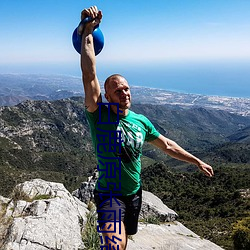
(43, 215)
(152, 206)
(85, 192)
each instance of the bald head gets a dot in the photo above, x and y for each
(113, 79)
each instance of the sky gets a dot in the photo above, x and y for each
(148, 40)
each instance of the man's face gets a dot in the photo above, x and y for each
(118, 91)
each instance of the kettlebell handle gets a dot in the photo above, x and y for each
(85, 21)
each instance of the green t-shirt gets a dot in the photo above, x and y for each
(118, 144)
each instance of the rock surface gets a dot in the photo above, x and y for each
(152, 206)
(85, 192)
(43, 215)
(169, 236)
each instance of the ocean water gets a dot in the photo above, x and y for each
(219, 79)
(211, 78)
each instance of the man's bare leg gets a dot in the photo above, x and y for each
(116, 238)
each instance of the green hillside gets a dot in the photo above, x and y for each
(208, 206)
(51, 140)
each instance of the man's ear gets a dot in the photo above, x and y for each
(106, 96)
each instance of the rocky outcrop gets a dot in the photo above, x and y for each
(85, 192)
(168, 236)
(152, 206)
(43, 215)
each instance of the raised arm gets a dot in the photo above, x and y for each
(88, 62)
(174, 150)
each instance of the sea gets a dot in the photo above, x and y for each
(230, 79)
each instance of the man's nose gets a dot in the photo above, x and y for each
(123, 92)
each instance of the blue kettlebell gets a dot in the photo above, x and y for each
(98, 37)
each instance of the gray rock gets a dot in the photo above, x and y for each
(152, 206)
(85, 192)
(44, 215)
(168, 236)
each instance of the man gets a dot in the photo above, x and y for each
(119, 164)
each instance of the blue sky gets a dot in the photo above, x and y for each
(35, 35)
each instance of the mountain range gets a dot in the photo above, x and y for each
(44, 134)
(41, 137)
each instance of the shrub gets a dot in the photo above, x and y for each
(90, 236)
(241, 234)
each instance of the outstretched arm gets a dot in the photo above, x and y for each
(174, 150)
(88, 64)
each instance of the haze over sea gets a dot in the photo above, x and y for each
(230, 79)
(220, 79)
